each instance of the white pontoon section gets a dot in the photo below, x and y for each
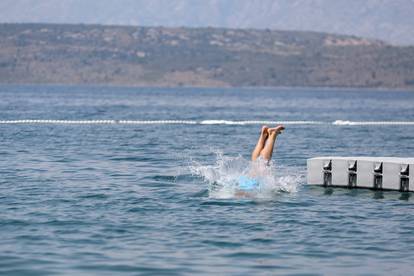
(382, 173)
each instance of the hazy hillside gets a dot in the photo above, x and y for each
(389, 20)
(79, 54)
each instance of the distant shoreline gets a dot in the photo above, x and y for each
(309, 89)
(198, 57)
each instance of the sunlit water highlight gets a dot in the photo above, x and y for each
(130, 181)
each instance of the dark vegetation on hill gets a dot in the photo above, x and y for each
(156, 56)
(388, 20)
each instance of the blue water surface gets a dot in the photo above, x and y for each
(121, 199)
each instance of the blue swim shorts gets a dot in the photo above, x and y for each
(247, 183)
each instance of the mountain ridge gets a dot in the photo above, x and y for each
(388, 20)
(158, 56)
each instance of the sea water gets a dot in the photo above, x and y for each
(129, 181)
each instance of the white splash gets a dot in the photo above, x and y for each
(223, 176)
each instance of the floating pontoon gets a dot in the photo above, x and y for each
(381, 173)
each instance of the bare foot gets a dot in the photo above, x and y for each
(265, 131)
(275, 130)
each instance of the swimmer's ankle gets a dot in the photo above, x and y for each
(264, 131)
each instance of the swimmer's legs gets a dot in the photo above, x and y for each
(267, 151)
(260, 143)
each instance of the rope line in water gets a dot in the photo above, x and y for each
(91, 122)
(207, 122)
(149, 122)
(368, 123)
(225, 122)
